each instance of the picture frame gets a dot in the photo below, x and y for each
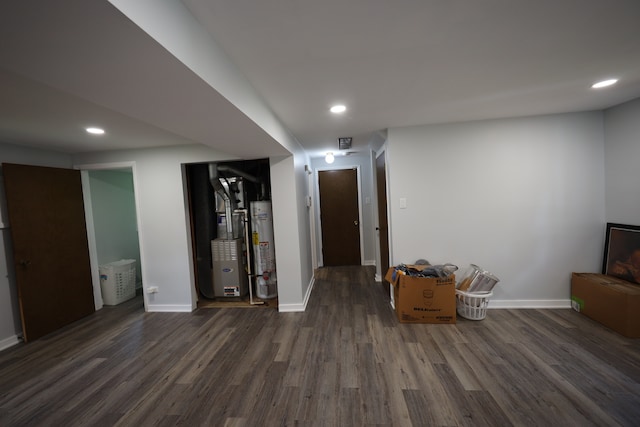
(622, 252)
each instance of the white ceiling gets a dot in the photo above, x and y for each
(67, 64)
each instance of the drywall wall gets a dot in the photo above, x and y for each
(302, 234)
(114, 216)
(362, 161)
(10, 324)
(165, 248)
(523, 198)
(622, 152)
(172, 25)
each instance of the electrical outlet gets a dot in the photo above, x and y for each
(152, 289)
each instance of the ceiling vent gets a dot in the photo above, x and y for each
(344, 143)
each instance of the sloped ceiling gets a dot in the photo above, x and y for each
(392, 63)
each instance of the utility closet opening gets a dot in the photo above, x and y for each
(232, 233)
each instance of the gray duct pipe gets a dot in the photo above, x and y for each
(248, 177)
(218, 187)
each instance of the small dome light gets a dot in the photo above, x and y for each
(337, 109)
(604, 83)
(95, 131)
(329, 158)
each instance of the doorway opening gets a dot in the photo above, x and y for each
(232, 233)
(113, 233)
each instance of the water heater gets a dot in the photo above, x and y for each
(263, 249)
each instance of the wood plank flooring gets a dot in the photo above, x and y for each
(346, 361)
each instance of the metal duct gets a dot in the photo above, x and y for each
(220, 189)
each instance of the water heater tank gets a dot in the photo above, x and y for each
(263, 249)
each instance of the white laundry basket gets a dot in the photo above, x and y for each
(472, 305)
(118, 281)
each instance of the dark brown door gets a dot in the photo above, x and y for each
(339, 217)
(383, 225)
(50, 250)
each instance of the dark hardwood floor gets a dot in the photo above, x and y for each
(346, 361)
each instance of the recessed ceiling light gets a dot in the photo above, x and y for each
(337, 109)
(95, 131)
(604, 83)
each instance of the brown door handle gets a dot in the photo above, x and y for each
(24, 263)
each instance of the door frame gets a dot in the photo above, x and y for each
(91, 234)
(382, 152)
(319, 259)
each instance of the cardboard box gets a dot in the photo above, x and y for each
(611, 301)
(423, 299)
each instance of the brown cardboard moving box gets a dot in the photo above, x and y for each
(611, 301)
(423, 299)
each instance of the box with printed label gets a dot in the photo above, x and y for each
(609, 300)
(423, 299)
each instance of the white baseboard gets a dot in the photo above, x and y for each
(293, 308)
(169, 308)
(551, 303)
(9, 342)
(369, 262)
(290, 308)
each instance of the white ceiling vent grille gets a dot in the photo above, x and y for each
(344, 143)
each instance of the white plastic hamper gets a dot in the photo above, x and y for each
(118, 281)
(472, 305)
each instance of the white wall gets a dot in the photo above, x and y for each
(10, 323)
(523, 198)
(292, 235)
(622, 152)
(165, 248)
(171, 24)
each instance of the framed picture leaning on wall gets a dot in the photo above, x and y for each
(622, 252)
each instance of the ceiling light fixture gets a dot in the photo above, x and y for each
(337, 109)
(604, 83)
(329, 158)
(95, 131)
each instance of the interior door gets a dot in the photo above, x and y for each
(383, 223)
(50, 249)
(339, 217)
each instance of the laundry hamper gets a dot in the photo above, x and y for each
(472, 305)
(118, 281)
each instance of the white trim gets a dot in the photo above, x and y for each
(311, 207)
(293, 308)
(9, 342)
(551, 303)
(91, 239)
(169, 308)
(369, 262)
(378, 278)
(187, 221)
(383, 152)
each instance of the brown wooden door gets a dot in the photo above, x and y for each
(383, 224)
(50, 249)
(339, 217)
